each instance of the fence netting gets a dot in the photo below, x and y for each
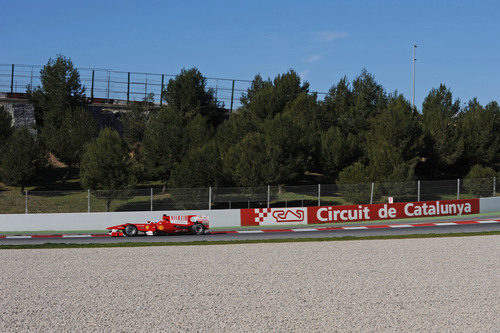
(164, 199)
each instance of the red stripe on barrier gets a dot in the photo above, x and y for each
(330, 228)
(466, 222)
(2, 236)
(376, 226)
(46, 236)
(278, 230)
(424, 225)
(100, 235)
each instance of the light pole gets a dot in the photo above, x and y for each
(413, 100)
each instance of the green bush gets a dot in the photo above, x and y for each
(479, 181)
(354, 184)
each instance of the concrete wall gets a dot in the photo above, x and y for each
(488, 205)
(99, 221)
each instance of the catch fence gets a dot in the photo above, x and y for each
(164, 199)
(107, 86)
(117, 87)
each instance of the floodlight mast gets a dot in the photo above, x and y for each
(414, 59)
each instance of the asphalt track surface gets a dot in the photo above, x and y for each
(281, 235)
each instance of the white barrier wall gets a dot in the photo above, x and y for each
(488, 205)
(99, 221)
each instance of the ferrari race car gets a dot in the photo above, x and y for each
(195, 224)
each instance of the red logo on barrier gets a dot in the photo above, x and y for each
(288, 215)
(269, 216)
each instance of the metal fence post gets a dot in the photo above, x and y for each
(128, 87)
(371, 194)
(232, 97)
(210, 198)
(88, 200)
(12, 80)
(458, 188)
(31, 78)
(418, 190)
(319, 194)
(494, 186)
(92, 89)
(151, 199)
(268, 195)
(107, 88)
(26, 202)
(162, 85)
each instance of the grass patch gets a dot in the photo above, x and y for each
(247, 241)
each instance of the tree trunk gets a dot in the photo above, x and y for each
(65, 177)
(108, 204)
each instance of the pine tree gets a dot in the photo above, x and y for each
(106, 167)
(20, 158)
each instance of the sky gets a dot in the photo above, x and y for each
(458, 41)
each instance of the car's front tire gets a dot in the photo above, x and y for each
(198, 229)
(130, 230)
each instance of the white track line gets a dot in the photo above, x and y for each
(76, 236)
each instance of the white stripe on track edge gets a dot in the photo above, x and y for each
(304, 229)
(446, 223)
(250, 231)
(17, 237)
(488, 221)
(353, 228)
(76, 236)
(400, 226)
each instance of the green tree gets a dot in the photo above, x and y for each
(249, 161)
(338, 150)
(198, 132)
(188, 94)
(479, 181)
(287, 147)
(265, 99)
(5, 126)
(20, 158)
(444, 144)
(134, 122)
(479, 126)
(337, 104)
(164, 144)
(354, 185)
(106, 167)
(60, 90)
(200, 168)
(395, 141)
(77, 127)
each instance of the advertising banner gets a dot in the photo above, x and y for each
(273, 216)
(354, 213)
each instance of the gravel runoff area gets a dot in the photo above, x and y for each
(433, 284)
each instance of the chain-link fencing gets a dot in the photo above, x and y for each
(164, 199)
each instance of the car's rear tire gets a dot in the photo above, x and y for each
(130, 230)
(198, 229)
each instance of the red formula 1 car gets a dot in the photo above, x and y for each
(195, 224)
